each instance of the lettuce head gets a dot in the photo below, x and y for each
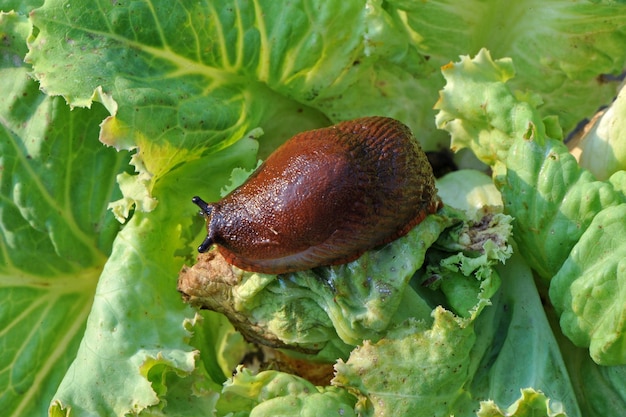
(113, 114)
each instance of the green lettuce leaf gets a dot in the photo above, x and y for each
(599, 390)
(180, 84)
(55, 230)
(553, 200)
(455, 363)
(222, 345)
(478, 190)
(590, 289)
(151, 345)
(562, 49)
(272, 393)
(460, 264)
(481, 112)
(602, 148)
(531, 403)
(415, 370)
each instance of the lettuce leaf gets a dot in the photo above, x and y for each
(602, 147)
(531, 403)
(185, 86)
(55, 230)
(490, 116)
(273, 393)
(151, 343)
(588, 291)
(478, 190)
(326, 310)
(599, 390)
(554, 201)
(450, 366)
(416, 370)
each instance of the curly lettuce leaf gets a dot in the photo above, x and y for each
(530, 403)
(461, 263)
(463, 269)
(55, 230)
(589, 290)
(480, 111)
(197, 393)
(553, 200)
(273, 393)
(452, 365)
(136, 333)
(416, 370)
(562, 49)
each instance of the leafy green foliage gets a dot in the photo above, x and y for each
(89, 313)
(568, 225)
(530, 403)
(423, 374)
(552, 199)
(588, 290)
(55, 230)
(328, 311)
(560, 48)
(272, 393)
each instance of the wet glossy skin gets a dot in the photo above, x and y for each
(324, 197)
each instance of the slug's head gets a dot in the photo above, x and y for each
(206, 210)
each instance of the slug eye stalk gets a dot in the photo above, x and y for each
(206, 212)
(204, 206)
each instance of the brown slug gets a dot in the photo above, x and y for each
(323, 198)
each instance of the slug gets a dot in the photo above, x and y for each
(324, 198)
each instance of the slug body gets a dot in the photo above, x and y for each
(324, 197)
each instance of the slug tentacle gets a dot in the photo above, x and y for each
(204, 206)
(205, 245)
(324, 197)
(206, 210)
